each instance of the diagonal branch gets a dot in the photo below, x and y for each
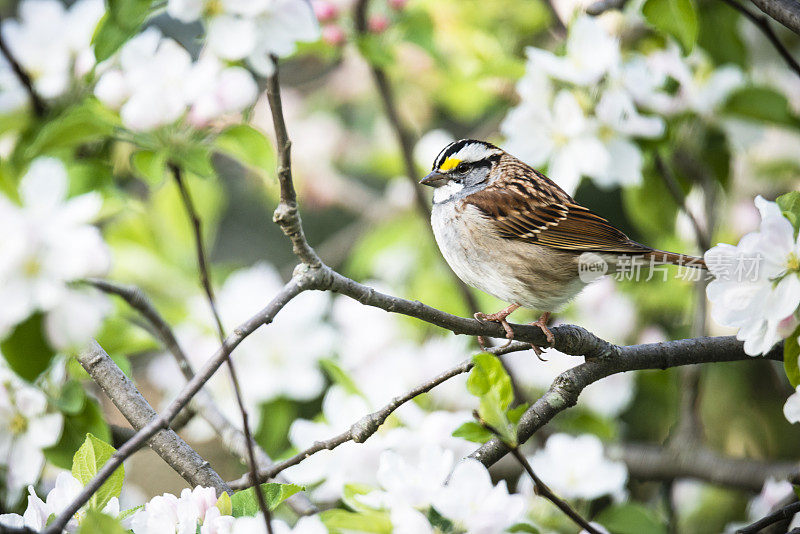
(166, 443)
(787, 12)
(763, 24)
(566, 388)
(202, 264)
(38, 105)
(405, 139)
(294, 287)
(365, 427)
(232, 438)
(782, 514)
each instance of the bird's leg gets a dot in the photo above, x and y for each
(499, 317)
(542, 323)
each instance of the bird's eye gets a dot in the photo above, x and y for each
(462, 168)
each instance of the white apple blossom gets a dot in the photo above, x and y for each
(791, 409)
(757, 285)
(591, 53)
(471, 501)
(38, 511)
(358, 463)
(49, 243)
(701, 87)
(281, 359)
(26, 428)
(251, 30)
(154, 83)
(12, 93)
(575, 468)
(225, 524)
(52, 42)
(168, 513)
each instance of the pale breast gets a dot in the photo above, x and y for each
(533, 276)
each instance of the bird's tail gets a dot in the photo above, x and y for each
(684, 260)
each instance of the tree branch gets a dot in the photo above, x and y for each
(654, 462)
(166, 443)
(205, 280)
(763, 24)
(38, 105)
(365, 427)
(294, 287)
(782, 514)
(787, 12)
(567, 386)
(232, 438)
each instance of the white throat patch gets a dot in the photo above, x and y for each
(447, 191)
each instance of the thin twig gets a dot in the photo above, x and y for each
(37, 103)
(202, 264)
(166, 443)
(539, 487)
(286, 215)
(779, 515)
(601, 6)
(370, 423)
(231, 436)
(294, 287)
(763, 24)
(405, 140)
(674, 188)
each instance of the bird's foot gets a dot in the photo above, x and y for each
(499, 317)
(542, 324)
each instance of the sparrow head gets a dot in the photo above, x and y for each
(463, 167)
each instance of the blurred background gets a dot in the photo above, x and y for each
(669, 133)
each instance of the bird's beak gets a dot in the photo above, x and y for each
(434, 179)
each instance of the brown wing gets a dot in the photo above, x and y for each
(533, 209)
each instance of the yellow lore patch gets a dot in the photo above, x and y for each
(449, 164)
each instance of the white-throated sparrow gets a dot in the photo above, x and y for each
(510, 231)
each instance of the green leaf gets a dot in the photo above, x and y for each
(26, 349)
(224, 504)
(338, 520)
(489, 381)
(339, 376)
(761, 104)
(673, 17)
(71, 398)
(276, 417)
(150, 165)
(122, 20)
(247, 146)
(244, 502)
(524, 527)
(89, 420)
(472, 431)
(791, 353)
(630, 519)
(195, 159)
(375, 50)
(89, 459)
(790, 206)
(351, 493)
(129, 512)
(515, 413)
(719, 34)
(99, 523)
(85, 122)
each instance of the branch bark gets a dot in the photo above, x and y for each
(566, 388)
(166, 443)
(231, 437)
(293, 288)
(787, 12)
(205, 281)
